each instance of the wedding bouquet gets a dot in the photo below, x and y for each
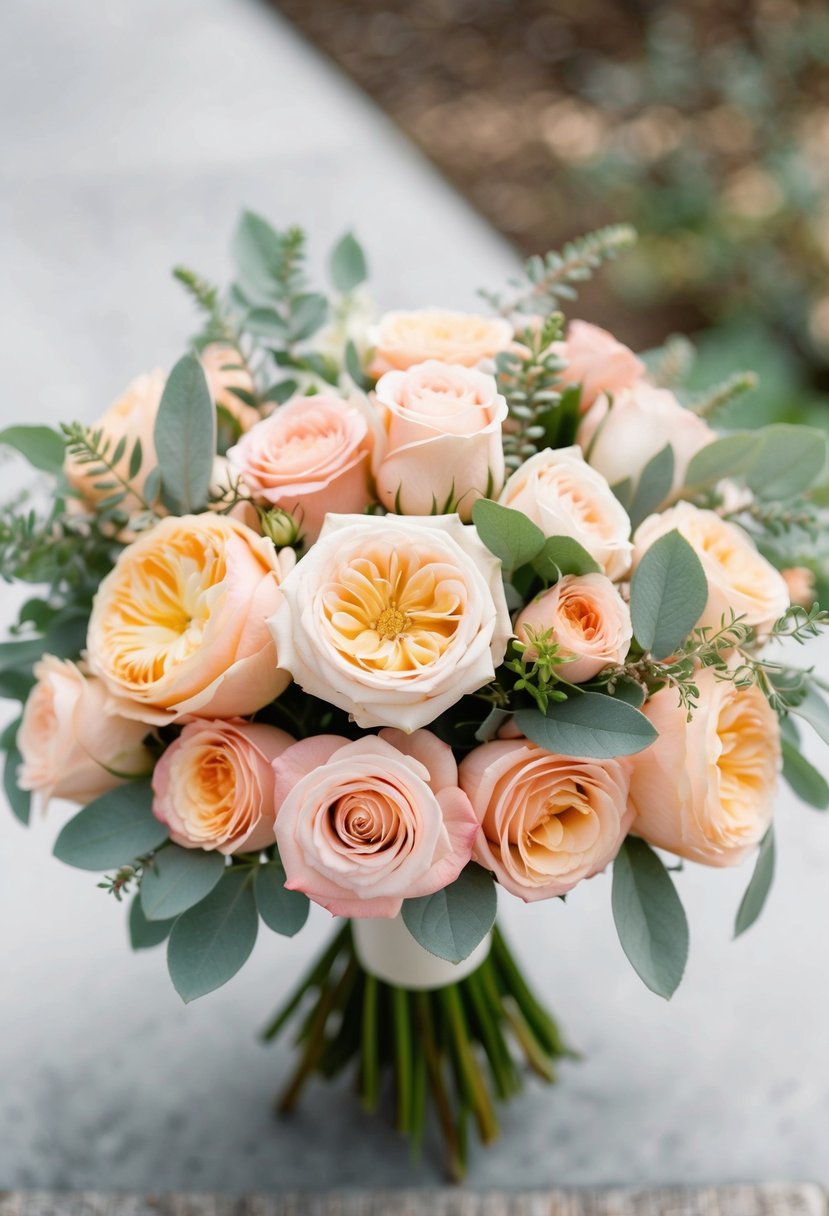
(387, 614)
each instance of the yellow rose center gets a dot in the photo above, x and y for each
(747, 762)
(391, 622)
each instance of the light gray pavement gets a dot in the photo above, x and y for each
(133, 131)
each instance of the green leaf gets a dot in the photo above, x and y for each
(452, 922)
(42, 447)
(19, 800)
(266, 323)
(178, 879)
(626, 689)
(814, 710)
(20, 655)
(185, 437)
(281, 392)
(514, 539)
(649, 917)
(756, 893)
(308, 313)
(809, 785)
(355, 368)
(668, 594)
(144, 934)
(212, 941)
(728, 456)
(136, 458)
(562, 555)
(348, 264)
(588, 725)
(623, 492)
(283, 911)
(654, 486)
(16, 685)
(788, 461)
(258, 250)
(113, 830)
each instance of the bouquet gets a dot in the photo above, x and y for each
(390, 613)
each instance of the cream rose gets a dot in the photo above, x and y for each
(588, 619)
(705, 788)
(739, 577)
(443, 449)
(225, 372)
(71, 746)
(401, 339)
(214, 786)
(598, 362)
(394, 619)
(546, 821)
(619, 437)
(311, 456)
(564, 496)
(362, 826)
(179, 626)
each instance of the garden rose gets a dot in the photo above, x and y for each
(621, 435)
(598, 362)
(546, 821)
(394, 618)
(589, 621)
(214, 786)
(179, 626)
(739, 577)
(705, 788)
(403, 338)
(443, 427)
(224, 372)
(564, 496)
(311, 456)
(362, 826)
(70, 745)
(800, 584)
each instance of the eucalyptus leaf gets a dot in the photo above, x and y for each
(654, 486)
(623, 492)
(185, 437)
(728, 456)
(266, 323)
(814, 710)
(19, 800)
(212, 941)
(789, 460)
(649, 917)
(178, 879)
(282, 910)
(452, 922)
(562, 555)
(308, 314)
(348, 264)
(113, 830)
(144, 934)
(510, 535)
(809, 785)
(258, 250)
(668, 594)
(40, 445)
(759, 885)
(589, 725)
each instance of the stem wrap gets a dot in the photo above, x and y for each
(386, 949)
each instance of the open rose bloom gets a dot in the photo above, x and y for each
(456, 607)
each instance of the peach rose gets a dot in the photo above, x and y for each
(739, 577)
(598, 362)
(800, 584)
(71, 746)
(589, 621)
(546, 821)
(564, 496)
(225, 372)
(443, 451)
(395, 618)
(403, 338)
(363, 826)
(179, 626)
(214, 786)
(705, 788)
(311, 456)
(619, 437)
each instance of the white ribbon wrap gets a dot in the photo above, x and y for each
(387, 950)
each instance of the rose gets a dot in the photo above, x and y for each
(70, 745)
(598, 362)
(178, 627)
(705, 788)
(546, 821)
(224, 372)
(403, 338)
(564, 496)
(214, 786)
(311, 456)
(800, 584)
(620, 436)
(443, 425)
(393, 619)
(740, 580)
(362, 826)
(587, 619)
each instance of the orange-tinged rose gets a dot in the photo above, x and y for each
(800, 584)
(225, 372)
(587, 619)
(401, 339)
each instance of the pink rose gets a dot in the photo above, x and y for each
(546, 821)
(401, 339)
(71, 746)
(800, 584)
(311, 456)
(363, 826)
(598, 362)
(588, 619)
(443, 425)
(705, 788)
(214, 786)
(225, 372)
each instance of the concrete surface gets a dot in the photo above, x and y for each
(133, 132)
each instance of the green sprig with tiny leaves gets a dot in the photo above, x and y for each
(528, 378)
(536, 662)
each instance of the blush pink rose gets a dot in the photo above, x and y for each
(800, 584)
(362, 826)
(598, 362)
(214, 786)
(401, 339)
(71, 746)
(546, 821)
(311, 456)
(443, 449)
(587, 618)
(225, 372)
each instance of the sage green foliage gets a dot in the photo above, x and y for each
(40, 445)
(588, 724)
(347, 264)
(115, 829)
(453, 921)
(178, 879)
(649, 917)
(759, 886)
(668, 594)
(282, 910)
(185, 437)
(210, 942)
(143, 933)
(514, 539)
